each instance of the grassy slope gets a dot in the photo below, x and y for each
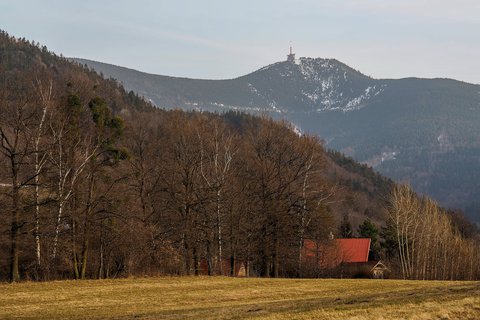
(234, 298)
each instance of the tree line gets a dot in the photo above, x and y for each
(87, 195)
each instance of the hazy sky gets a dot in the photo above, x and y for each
(224, 38)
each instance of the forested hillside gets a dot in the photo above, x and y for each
(97, 183)
(424, 131)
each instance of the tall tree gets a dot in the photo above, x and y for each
(16, 149)
(217, 150)
(43, 86)
(368, 229)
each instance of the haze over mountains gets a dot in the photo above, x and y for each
(422, 131)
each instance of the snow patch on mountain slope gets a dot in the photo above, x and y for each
(324, 84)
(272, 104)
(252, 88)
(359, 102)
(377, 160)
(270, 107)
(309, 67)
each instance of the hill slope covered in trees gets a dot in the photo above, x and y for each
(421, 131)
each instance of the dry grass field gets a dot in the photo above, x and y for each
(237, 298)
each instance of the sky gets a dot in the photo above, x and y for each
(219, 39)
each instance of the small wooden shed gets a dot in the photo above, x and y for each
(369, 269)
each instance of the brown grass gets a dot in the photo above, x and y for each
(235, 298)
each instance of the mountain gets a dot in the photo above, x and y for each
(308, 85)
(421, 131)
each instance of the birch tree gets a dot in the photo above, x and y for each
(44, 94)
(73, 147)
(429, 246)
(217, 150)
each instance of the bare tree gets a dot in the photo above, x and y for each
(428, 244)
(217, 150)
(73, 148)
(44, 92)
(16, 148)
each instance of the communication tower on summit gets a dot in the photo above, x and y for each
(291, 55)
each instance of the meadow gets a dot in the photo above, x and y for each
(240, 298)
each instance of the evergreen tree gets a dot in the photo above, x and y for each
(368, 229)
(389, 245)
(346, 227)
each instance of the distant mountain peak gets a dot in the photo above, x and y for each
(314, 85)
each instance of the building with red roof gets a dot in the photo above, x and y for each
(349, 256)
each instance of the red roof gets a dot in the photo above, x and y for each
(353, 250)
(335, 252)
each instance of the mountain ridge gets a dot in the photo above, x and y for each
(86, 61)
(304, 69)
